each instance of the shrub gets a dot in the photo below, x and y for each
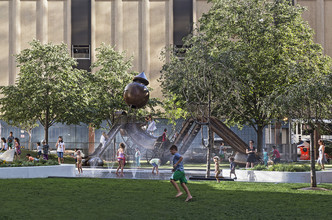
(285, 167)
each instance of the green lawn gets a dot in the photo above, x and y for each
(148, 199)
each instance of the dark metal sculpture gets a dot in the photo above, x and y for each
(136, 94)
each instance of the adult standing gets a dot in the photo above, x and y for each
(60, 149)
(10, 140)
(321, 157)
(276, 155)
(251, 151)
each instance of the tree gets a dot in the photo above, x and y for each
(188, 82)
(256, 49)
(15, 107)
(112, 74)
(310, 101)
(47, 89)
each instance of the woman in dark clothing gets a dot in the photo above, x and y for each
(251, 151)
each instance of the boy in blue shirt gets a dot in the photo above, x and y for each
(178, 173)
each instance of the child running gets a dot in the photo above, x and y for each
(79, 161)
(179, 173)
(121, 159)
(217, 168)
(232, 167)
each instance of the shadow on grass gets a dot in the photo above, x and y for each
(148, 199)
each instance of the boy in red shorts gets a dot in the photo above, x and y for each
(178, 173)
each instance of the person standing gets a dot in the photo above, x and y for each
(164, 135)
(232, 167)
(151, 125)
(45, 150)
(276, 155)
(137, 157)
(79, 161)
(60, 149)
(17, 148)
(251, 151)
(39, 150)
(321, 157)
(265, 156)
(10, 140)
(217, 168)
(121, 159)
(103, 138)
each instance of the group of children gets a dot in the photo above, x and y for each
(217, 170)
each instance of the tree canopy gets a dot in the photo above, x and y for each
(48, 88)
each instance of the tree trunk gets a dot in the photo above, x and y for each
(209, 148)
(29, 142)
(46, 125)
(210, 139)
(259, 138)
(312, 161)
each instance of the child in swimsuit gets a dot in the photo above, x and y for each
(121, 158)
(79, 161)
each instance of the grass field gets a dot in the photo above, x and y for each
(148, 199)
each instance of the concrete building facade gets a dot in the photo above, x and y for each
(142, 28)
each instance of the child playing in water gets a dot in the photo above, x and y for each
(232, 167)
(137, 157)
(155, 162)
(121, 158)
(179, 173)
(79, 161)
(217, 168)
